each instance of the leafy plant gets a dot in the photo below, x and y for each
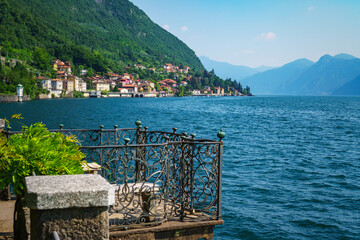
(36, 150)
(104, 92)
(78, 94)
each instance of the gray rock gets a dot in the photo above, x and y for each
(2, 123)
(68, 191)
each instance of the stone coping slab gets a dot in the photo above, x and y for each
(68, 191)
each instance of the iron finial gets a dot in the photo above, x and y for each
(61, 126)
(101, 127)
(115, 126)
(221, 134)
(193, 135)
(138, 123)
(174, 129)
(127, 140)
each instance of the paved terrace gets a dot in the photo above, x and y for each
(6, 219)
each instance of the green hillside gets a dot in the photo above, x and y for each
(99, 34)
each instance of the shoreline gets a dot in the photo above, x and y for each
(14, 98)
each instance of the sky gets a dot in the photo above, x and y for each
(260, 32)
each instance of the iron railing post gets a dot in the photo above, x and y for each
(101, 134)
(115, 135)
(192, 173)
(167, 179)
(182, 178)
(220, 135)
(219, 180)
(138, 154)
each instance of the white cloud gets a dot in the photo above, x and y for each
(166, 27)
(184, 28)
(267, 36)
(311, 8)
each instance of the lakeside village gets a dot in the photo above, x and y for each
(171, 81)
(125, 85)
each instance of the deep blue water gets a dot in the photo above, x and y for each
(291, 165)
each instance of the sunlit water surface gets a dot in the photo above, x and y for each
(291, 165)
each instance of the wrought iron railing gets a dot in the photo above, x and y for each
(157, 176)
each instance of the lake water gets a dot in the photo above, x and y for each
(291, 165)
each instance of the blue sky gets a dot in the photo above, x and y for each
(260, 32)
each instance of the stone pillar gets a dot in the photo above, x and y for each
(75, 206)
(2, 125)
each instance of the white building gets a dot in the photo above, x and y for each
(102, 86)
(56, 84)
(196, 92)
(83, 72)
(123, 90)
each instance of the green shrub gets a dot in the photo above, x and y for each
(78, 94)
(40, 151)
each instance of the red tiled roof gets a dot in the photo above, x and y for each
(41, 78)
(169, 80)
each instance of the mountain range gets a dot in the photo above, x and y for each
(227, 70)
(330, 75)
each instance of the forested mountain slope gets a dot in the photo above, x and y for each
(95, 33)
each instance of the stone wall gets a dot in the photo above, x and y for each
(13, 98)
(44, 96)
(70, 223)
(75, 206)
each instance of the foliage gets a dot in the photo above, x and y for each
(11, 77)
(96, 34)
(99, 36)
(180, 93)
(63, 93)
(78, 94)
(40, 151)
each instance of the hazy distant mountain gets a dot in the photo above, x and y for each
(227, 70)
(344, 56)
(263, 68)
(350, 88)
(326, 75)
(329, 75)
(275, 81)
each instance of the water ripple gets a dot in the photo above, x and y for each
(291, 167)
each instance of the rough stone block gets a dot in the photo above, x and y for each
(71, 223)
(68, 191)
(75, 206)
